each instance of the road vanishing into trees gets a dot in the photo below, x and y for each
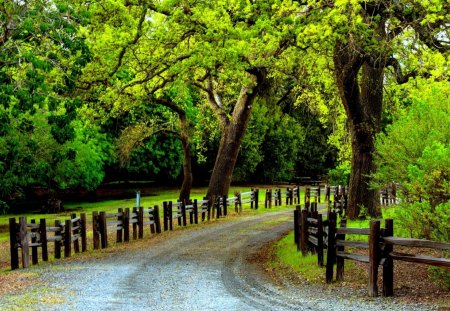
(208, 268)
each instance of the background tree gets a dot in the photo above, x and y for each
(44, 139)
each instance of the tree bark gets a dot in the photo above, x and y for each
(186, 186)
(363, 104)
(233, 131)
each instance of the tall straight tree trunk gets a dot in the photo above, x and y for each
(363, 104)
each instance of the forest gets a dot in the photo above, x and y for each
(187, 92)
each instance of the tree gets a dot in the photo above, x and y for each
(223, 49)
(415, 149)
(41, 56)
(366, 38)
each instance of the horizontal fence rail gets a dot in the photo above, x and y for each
(313, 234)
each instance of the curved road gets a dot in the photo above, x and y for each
(205, 269)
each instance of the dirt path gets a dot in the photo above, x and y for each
(205, 269)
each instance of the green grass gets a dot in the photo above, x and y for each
(286, 254)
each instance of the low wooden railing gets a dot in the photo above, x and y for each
(26, 236)
(379, 248)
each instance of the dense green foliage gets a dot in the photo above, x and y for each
(415, 152)
(84, 89)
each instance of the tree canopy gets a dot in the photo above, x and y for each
(223, 90)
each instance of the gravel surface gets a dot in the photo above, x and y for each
(205, 269)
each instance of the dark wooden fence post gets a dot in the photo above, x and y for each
(140, 222)
(388, 267)
(266, 199)
(103, 230)
(237, 202)
(374, 257)
(296, 228)
(256, 198)
(76, 243)
(339, 260)
(67, 238)
(270, 198)
(304, 232)
(219, 207)
(288, 190)
(208, 214)
(126, 225)
(318, 193)
(151, 217)
(319, 240)
(331, 251)
(135, 222)
(225, 205)
(166, 216)
(44, 243)
(13, 243)
(191, 212)
(119, 232)
(179, 216)
(34, 247)
(169, 214)
(157, 219)
(195, 209)
(83, 231)
(183, 213)
(24, 242)
(95, 230)
(58, 239)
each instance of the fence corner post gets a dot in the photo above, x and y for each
(24, 242)
(83, 232)
(331, 251)
(374, 257)
(13, 242)
(388, 267)
(67, 238)
(95, 230)
(319, 240)
(157, 219)
(44, 243)
(304, 232)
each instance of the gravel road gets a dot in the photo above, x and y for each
(205, 269)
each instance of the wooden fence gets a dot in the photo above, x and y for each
(128, 223)
(26, 236)
(378, 250)
(103, 223)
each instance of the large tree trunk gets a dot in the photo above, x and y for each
(230, 143)
(186, 187)
(363, 104)
(233, 131)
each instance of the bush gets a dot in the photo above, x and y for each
(420, 220)
(339, 175)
